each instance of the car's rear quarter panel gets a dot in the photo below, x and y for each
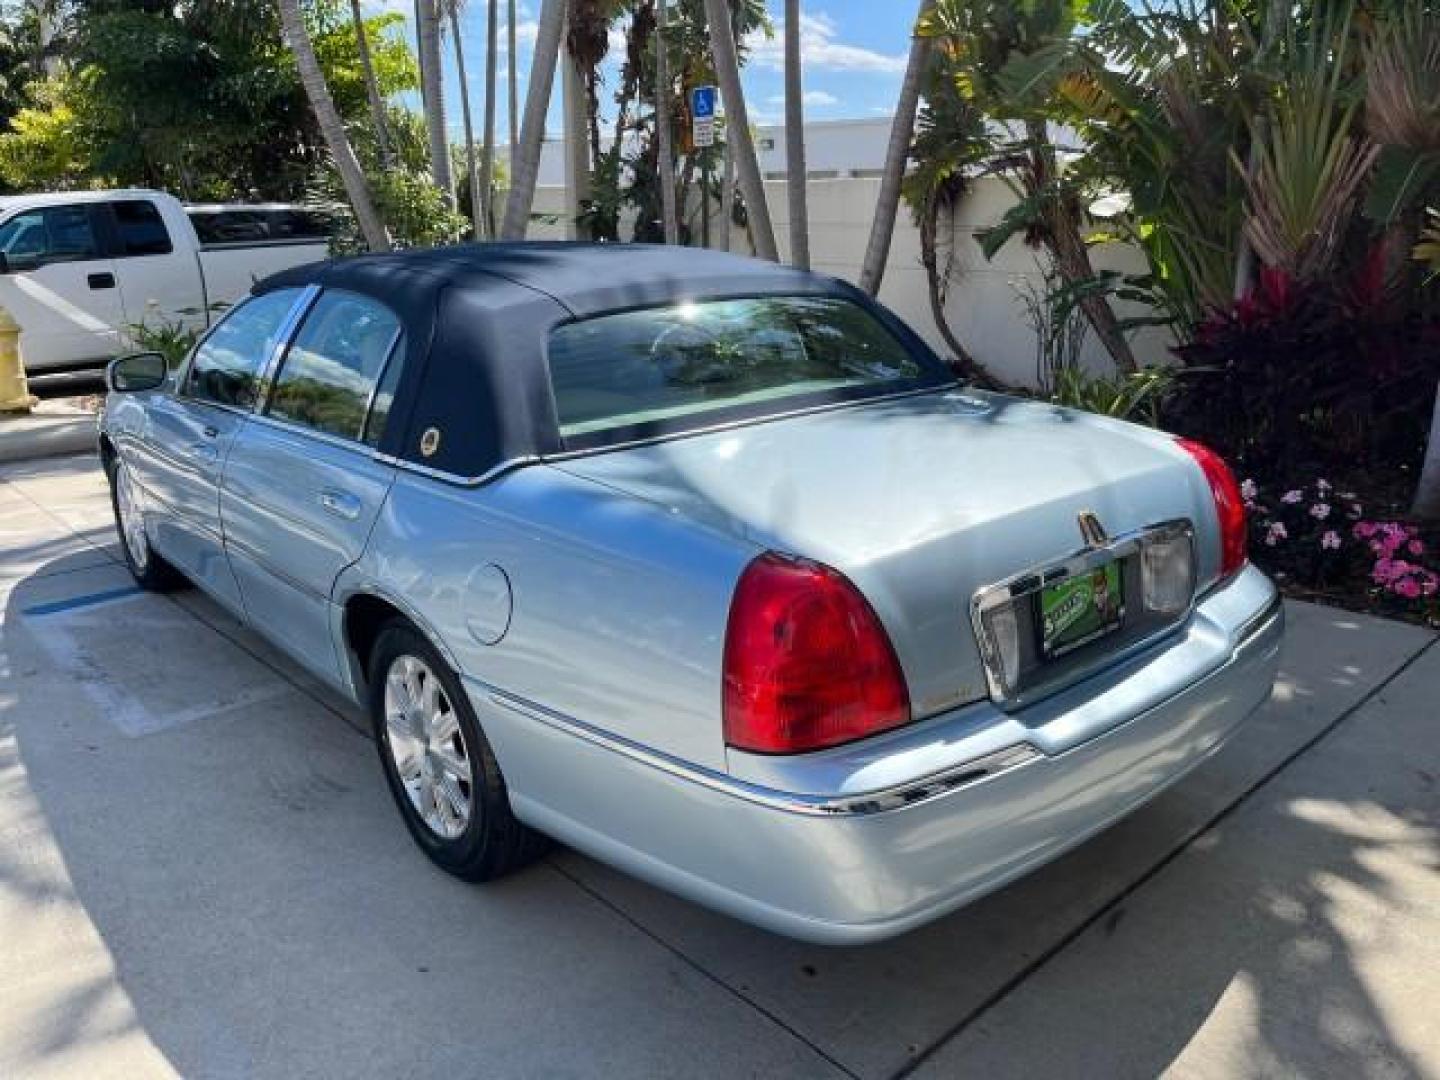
(618, 606)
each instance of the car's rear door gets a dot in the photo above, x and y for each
(60, 286)
(303, 484)
(189, 433)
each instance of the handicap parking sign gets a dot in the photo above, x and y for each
(702, 102)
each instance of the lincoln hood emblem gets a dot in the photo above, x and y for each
(1092, 531)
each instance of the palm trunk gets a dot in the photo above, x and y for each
(327, 117)
(477, 207)
(902, 132)
(727, 195)
(372, 86)
(487, 168)
(964, 363)
(664, 151)
(526, 164)
(796, 175)
(1427, 490)
(727, 73)
(432, 84)
(1068, 250)
(513, 97)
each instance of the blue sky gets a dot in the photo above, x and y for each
(854, 56)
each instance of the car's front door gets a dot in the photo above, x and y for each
(188, 434)
(303, 485)
(60, 286)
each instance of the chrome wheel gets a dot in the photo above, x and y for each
(132, 520)
(427, 747)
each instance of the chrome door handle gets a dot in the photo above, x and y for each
(340, 503)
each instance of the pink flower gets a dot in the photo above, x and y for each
(1416, 547)
(1331, 540)
(1322, 486)
(1364, 529)
(1248, 490)
(1290, 498)
(1276, 533)
(1408, 587)
(1320, 511)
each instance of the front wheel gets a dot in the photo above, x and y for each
(149, 569)
(438, 764)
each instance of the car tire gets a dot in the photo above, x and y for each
(436, 758)
(146, 566)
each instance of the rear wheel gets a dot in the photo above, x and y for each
(440, 767)
(149, 569)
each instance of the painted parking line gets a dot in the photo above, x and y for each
(86, 600)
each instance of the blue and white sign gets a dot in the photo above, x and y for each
(702, 115)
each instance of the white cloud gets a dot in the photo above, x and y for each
(819, 49)
(816, 99)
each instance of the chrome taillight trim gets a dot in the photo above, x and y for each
(1030, 581)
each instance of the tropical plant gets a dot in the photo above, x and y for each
(432, 93)
(747, 166)
(902, 129)
(1134, 395)
(357, 189)
(795, 170)
(1008, 59)
(526, 164)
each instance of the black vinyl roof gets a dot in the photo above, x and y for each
(478, 319)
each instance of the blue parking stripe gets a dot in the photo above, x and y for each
(56, 606)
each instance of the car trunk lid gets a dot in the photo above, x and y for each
(922, 501)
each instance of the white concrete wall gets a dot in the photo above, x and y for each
(983, 306)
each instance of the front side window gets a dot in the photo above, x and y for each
(230, 361)
(142, 229)
(688, 365)
(333, 368)
(52, 234)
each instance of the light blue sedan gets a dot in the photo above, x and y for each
(704, 566)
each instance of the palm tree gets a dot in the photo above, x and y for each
(796, 175)
(327, 118)
(902, 129)
(452, 10)
(372, 86)
(666, 155)
(526, 163)
(727, 74)
(487, 168)
(432, 91)
(513, 96)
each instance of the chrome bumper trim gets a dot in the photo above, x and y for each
(910, 793)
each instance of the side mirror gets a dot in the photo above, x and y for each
(138, 371)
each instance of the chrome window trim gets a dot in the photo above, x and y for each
(300, 430)
(1028, 582)
(495, 471)
(380, 379)
(282, 340)
(899, 797)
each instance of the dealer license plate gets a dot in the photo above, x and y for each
(1080, 609)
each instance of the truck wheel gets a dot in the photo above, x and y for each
(440, 767)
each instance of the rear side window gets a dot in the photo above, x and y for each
(681, 367)
(53, 234)
(142, 230)
(337, 365)
(228, 364)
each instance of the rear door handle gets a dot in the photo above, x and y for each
(101, 281)
(340, 503)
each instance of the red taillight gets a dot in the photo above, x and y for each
(1229, 505)
(807, 663)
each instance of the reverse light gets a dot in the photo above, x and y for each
(807, 663)
(1229, 505)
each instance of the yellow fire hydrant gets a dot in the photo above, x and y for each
(15, 393)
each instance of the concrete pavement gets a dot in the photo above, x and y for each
(201, 873)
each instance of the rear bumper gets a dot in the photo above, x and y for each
(860, 859)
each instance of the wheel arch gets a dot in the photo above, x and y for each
(363, 613)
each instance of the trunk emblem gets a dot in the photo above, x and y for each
(1091, 531)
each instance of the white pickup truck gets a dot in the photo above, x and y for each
(78, 269)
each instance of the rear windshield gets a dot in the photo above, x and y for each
(691, 365)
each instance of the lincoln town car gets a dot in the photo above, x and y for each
(707, 567)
